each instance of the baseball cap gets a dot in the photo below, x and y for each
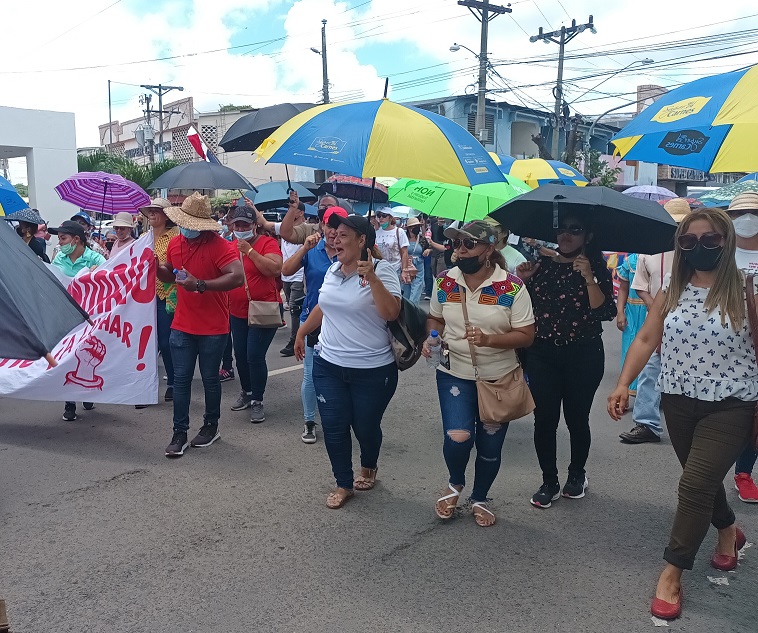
(355, 222)
(244, 214)
(334, 211)
(477, 230)
(84, 216)
(71, 228)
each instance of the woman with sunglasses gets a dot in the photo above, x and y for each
(392, 243)
(572, 294)
(709, 385)
(500, 321)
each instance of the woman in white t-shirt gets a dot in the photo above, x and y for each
(392, 243)
(354, 369)
(500, 321)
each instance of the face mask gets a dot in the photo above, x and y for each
(243, 235)
(571, 254)
(746, 225)
(385, 225)
(189, 233)
(109, 246)
(469, 265)
(67, 249)
(703, 259)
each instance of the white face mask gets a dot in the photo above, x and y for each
(243, 235)
(746, 225)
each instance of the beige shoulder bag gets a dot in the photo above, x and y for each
(261, 313)
(502, 400)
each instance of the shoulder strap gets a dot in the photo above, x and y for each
(247, 290)
(466, 322)
(752, 317)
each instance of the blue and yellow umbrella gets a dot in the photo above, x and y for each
(10, 201)
(710, 124)
(537, 171)
(381, 138)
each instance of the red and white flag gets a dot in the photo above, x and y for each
(201, 148)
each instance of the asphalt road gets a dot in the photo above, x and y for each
(102, 533)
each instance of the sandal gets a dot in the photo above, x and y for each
(367, 479)
(451, 501)
(338, 498)
(480, 517)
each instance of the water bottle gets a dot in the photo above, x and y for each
(435, 347)
(181, 275)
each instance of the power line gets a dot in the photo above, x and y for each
(76, 26)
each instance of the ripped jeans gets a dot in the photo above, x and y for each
(460, 413)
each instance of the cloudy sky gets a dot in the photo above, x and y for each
(257, 52)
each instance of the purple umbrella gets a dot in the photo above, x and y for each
(102, 192)
(649, 192)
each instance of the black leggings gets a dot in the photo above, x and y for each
(568, 374)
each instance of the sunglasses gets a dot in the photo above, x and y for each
(688, 241)
(571, 230)
(467, 242)
(381, 216)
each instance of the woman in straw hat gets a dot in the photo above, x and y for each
(123, 225)
(417, 246)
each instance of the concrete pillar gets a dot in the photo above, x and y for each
(46, 168)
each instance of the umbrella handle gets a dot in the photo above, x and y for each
(289, 184)
(371, 199)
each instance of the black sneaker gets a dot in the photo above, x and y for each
(309, 433)
(545, 496)
(207, 435)
(257, 414)
(169, 397)
(575, 486)
(88, 406)
(225, 375)
(243, 402)
(288, 350)
(639, 435)
(178, 444)
(69, 413)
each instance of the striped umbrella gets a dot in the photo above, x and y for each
(103, 193)
(537, 171)
(722, 197)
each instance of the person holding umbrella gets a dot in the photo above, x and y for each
(83, 219)
(123, 225)
(572, 295)
(29, 221)
(709, 385)
(73, 256)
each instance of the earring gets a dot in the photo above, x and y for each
(487, 263)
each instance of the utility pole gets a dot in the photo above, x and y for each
(147, 138)
(324, 67)
(483, 11)
(161, 90)
(562, 37)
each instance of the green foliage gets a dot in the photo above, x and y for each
(598, 172)
(233, 108)
(142, 175)
(22, 190)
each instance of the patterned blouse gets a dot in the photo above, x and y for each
(561, 302)
(163, 289)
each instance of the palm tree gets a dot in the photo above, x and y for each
(141, 175)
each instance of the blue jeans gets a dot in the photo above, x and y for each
(352, 399)
(460, 412)
(163, 332)
(250, 347)
(226, 359)
(746, 461)
(186, 351)
(647, 404)
(307, 390)
(412, 291)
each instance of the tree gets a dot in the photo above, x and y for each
(22, 189)
(233, 108)
(598, 172)
(142, 175)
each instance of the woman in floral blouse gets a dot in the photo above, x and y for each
(572, 294)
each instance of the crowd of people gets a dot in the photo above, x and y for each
(499, 305)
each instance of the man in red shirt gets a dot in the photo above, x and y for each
(204, 267)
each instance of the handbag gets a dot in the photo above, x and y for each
(502, 400)
(752, 317)
(261, 313)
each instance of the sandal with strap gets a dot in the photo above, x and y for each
(479, 517)
(449, 509)
(367, 479)
(338, 498)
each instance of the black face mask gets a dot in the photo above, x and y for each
(703, 259)
(469, 265)
(109, 246)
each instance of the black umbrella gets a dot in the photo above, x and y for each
(272, 195)
(619, 223)
(37, 311)
(248, 132)
(201, 175)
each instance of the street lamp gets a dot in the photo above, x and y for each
(481, 102)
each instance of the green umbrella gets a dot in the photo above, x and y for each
(722, 197)
(455, 201)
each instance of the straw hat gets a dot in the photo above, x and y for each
(194, 214)
(155, 203)
(412, 222)
(747, 201)
(678, 209)
(123, 219)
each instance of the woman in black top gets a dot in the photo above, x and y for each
(572, 295)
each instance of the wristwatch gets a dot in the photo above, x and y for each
(591, 283)
(200, 286)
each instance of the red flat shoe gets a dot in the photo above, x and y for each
(725, 562)
(666, 610)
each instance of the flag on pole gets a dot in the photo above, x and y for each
(194, 138)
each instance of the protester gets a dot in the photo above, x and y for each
(441, 247)
(392, 243)
(164, 230)
(496, 329)
(110, 240)
(743, 211)
(572, 295)
(630, 309)
(262, 260)
(354, 369)
(123, 225)
(74, 255)
(314, 258)
(207, 267)
(88, 224)
(417, 246)
(290, 229)
(708, 396)
(28, 225)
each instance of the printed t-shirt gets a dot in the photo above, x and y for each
(203, 314)
(88, 259)
(288, 250)
(261, 288)
(501, 304)
(747, 261)
(352, 332)
(315, 264)
(389, 243)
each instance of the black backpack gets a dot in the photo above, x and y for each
(407, 334)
